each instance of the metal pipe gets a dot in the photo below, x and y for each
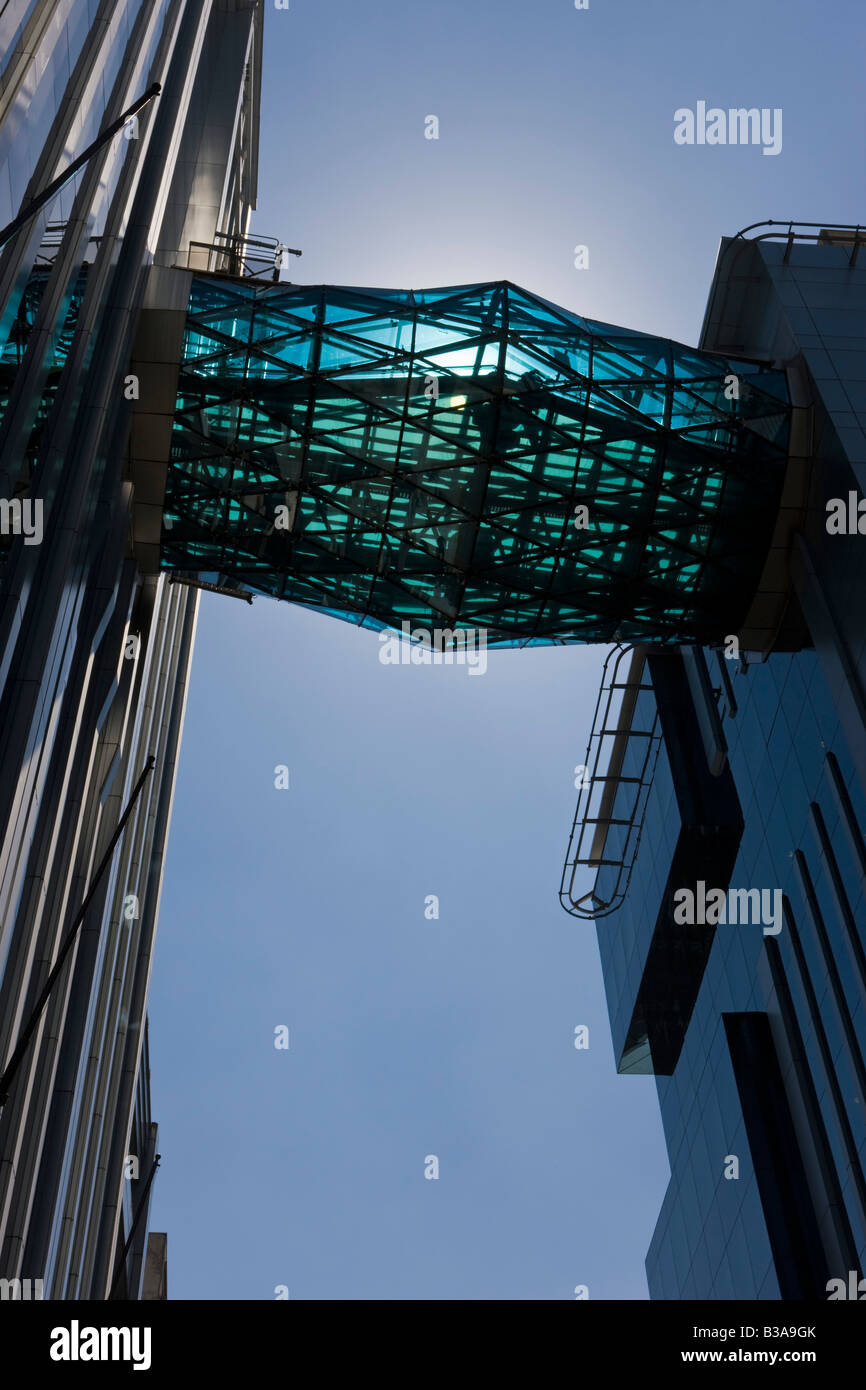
(37, 203)
(134, 1225)
(31, 1025)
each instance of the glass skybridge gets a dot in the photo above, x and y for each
(470, 457)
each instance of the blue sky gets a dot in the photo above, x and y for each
(305, 907)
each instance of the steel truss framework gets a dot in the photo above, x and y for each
(393, 456)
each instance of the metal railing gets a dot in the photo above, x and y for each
(822, 233)
(243, 257)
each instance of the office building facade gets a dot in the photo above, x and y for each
(95, 651)
(738, 770)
